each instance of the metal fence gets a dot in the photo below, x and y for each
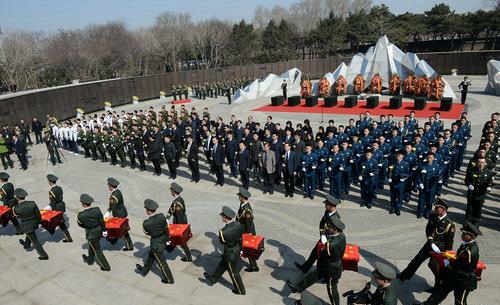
(63, 101)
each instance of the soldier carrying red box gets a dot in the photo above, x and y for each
(245, 217)
(117, 209)
(8, 200)
(57, 204)
(177, 210)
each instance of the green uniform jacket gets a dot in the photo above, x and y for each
(330, 258)
(481, 180)
(327, 222)
(157, 229)
(440, 232)
(29, 214)
(7, 194)
(116, 205)
(385, 296)
(56, 199)
(230, 238)
(92, 221)
(178, 210)
(90, 140)
(245, 217)
(463, 269)
(3, 147)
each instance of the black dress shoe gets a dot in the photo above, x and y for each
(43, 258)
(105, 269)
(86, 259)
(127, 249)
(251, 269)
(185, 259)
(398, 213)
(22, 243)
(291, 195)
(237, 292)
(291, 286)
(391, 211)
(67, 240)
(165, 281)
(207, 278)
(286, 195)
(419, 216)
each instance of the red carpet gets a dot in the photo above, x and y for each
(182, 101)
(383, 108)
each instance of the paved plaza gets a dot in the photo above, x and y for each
(289, 225)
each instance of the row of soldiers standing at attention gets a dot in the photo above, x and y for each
(209, 89)
(27, 219)
(372, 153)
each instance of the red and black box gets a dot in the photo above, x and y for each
(179, 233)
(6, 215)
(350, 259)
(51, 220)
(436, 263)
(252, 245)
(116, 227)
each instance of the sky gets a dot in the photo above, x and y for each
(50, 15)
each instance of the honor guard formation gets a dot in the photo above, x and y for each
(413, 159)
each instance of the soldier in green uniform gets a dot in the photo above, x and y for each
(461, 278)
(92, 221)
(100, 141)
(326, 221)
(117, 209)
(440, 231)
(245, 217)
(7, 197)
(386, 292)
(157, 229)
(186, 91)
(30, 217)
(82, 141)
(174, 93)
(329, 268)
(118, 144)
(479, 182)
(90, 142)
(56, 203)
(178, 211)
(228, 94)
(230, 238)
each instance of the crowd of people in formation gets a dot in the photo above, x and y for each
(210, 89)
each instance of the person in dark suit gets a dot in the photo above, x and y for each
(289, 164)
(170, 153)
(231, 151)
(218, 161)
(277, 146)
(243, 160)
(154, 153)
(20, 150)
(192, 158)
(37, 127)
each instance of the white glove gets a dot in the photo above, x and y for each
(389, 180)
(351, 161)
(372, 174)
(329, 169)
(435, 248)
(414, 168)
(402, 179)
(445, 162)
(488, 189)
(446, 263)
(341, 168)
(421, 186)
(323, 239)
(470, 187)
(303, 169)
(107, 215)
(460, 144)
(47, 208)
(105, 234)
(168, 243)
(380, 165)
(360, 178)
(424, 171)
(313, 167)
(440, 181)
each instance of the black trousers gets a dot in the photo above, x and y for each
(38, 137)
(32, 238)
(464, 96)
(158, 257)
(245, 179)
(157, 166)
(473, 209)
(289, 182)
(415, 263)
(23, 160)
(219, 173)
(142, 160)
(450, 284)
(6, 160)
(54, 156)
(194, 167)
(232, 269)
(277, 174)
(268, 181)
(95, 253)
(331, 285)
(172, 169)
(131, 156)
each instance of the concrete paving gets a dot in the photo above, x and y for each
(289, 225)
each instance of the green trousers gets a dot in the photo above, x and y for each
(31, 238)
(231, 268)
(331, 285)
(162, 264)
(95, 253)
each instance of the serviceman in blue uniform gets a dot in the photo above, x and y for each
(367, 177)
(322, 155)
(428, 175)
(357, 154)
(412, 160)
(347, 172)
(336, 165)
(308, 165)
(460, 143)
(446, 153)
(398, 173)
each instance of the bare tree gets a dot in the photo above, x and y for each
(208, 41)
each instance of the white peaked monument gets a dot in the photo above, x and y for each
(493, 86)
(270, 86)
(386, 59)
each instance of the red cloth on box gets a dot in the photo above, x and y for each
(51, 219)
(117, 227)
(252, 245)
(5, 215)
(439, 258)
(179, 233)
(350, 259)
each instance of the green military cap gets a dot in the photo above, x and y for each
(228, 212)
(441, 203)
(4, 176)
(84, 198)
(244, 193)
(20, 193)
(337, 223)
(150, 204)
(307, 298)
(471, 229)
(176, 188)
(330, 200)
(113, 182)
(52, 178)
(383, 271)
